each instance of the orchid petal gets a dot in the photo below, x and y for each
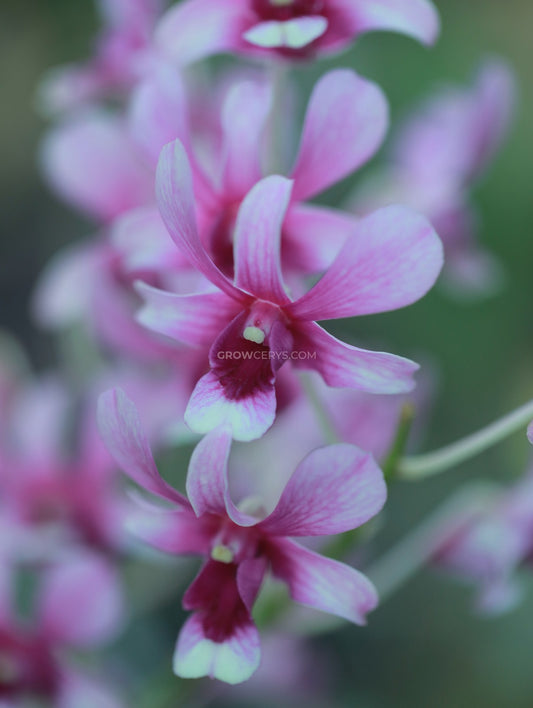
(144, 243)
(195, 320)
(334, 489)
(175, 197)
(81, 601)
(232, 661)
(207, 478)
(416, 18)
(322, 583)
(64, 289)
(198, 28)
(158, 112)
(175, 531)
(392, 259)
(257, 239)
(345, 124)
(244, 116)
(121, 430)
(249, 418)
(344, 366)
(314, 235)
(90, 162)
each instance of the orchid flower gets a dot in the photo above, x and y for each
(333, 490)
(252, 326)
(77, 607)
(288, 28)
(122, 54)
(438, 156)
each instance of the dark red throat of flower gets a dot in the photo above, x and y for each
(26, 667)
(215, 595)
(282, 10)
(243, 367)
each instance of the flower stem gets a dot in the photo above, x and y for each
(404, 559)
(429, 464)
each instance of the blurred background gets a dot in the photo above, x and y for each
(424, 646)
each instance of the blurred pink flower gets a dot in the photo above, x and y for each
(333, 490)
(122, 53)
(488, 548)
(437, 157)
(77, 607)
(291, 29)
(251, 325)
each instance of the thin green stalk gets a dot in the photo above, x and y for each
(429, 464)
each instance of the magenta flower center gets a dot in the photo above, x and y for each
(246, 356)
(282, 10)
(26, 666)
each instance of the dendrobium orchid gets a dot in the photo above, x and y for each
(440, 153)
(77, 607)
(123, 53)
(251, 324)
(333, 490)
(288, 28)
(488, 549)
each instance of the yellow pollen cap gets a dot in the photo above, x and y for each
(222, 554)
(254, 334)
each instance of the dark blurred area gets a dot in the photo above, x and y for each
(424, 646)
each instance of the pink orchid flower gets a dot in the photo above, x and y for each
(345, 123)
(288, 28)
(53, 498)
(252, 326)
(333, 490)
(438, 156)
(487, 550)
(77, 607)
(123, 53)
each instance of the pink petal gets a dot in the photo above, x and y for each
(250, 576)
(198, 28)
(257, 239)
(392, 260)
(313, 236)
(158, 112)
(530, 432)
(248, 418)
(345, 124)
(81, 601)
(232, 661)
(78, 690)
(195, 320)
(135, 14)
(121, 430)
(293, 34)
(207, 478)
(335, 489)
(244, 117)
(175, 531)
(64, 289)
(175, 198)
(416, 18)
(142, 240)
(92, 164)
(322, 583)
(344, 366)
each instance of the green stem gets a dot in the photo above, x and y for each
(427, 465)
(404, 559)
